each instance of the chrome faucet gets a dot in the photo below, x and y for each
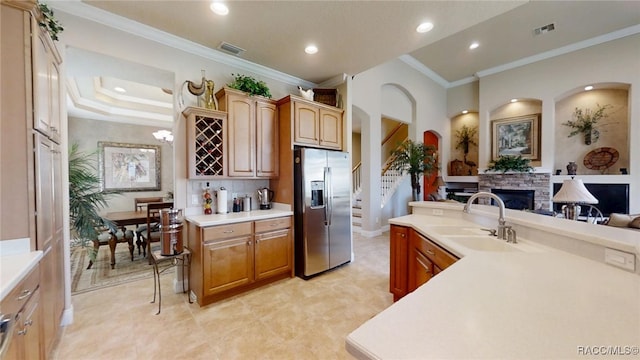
(502, 228)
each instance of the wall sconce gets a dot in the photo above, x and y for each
(164, 136)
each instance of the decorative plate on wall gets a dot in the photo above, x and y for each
(601, 158)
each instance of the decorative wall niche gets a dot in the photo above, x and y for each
(607, 154)
(519, 109)
(464, 151)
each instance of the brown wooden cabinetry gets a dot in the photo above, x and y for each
(414, 260)
(252, 134)
(230, 259)
(314, 124)
(399, 245)
(22, 305)
(206, 143)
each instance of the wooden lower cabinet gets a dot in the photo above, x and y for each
(414, 260)
(23, 304)
(230, 259)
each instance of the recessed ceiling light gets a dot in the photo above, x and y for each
(219, 8)
(311, 49)
(465, 111)
(587, 88)
(424, 27)
(514, 100)
(474, 45)
(119, 89)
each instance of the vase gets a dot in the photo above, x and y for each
(571, 168)
(209, 98)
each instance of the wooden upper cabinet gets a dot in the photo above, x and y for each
(206, 143)
(315, 124)
(267, 154)
(46, 83)
(330, 129)
(252, 134)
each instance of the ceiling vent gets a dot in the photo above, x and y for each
(544, 29)
(231, 49)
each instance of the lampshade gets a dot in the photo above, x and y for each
(574, 192)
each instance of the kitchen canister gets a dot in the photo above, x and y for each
(246, 203)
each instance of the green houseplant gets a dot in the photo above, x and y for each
(49, 22)
(250, 85)
(510, 163)
(584, 122)
(85, 200)
(416, 159)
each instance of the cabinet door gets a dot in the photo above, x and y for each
(241, 128)
(273, 253)
(206, 143)
(44, 164)
(54, 100)
(267, 140)
(41, 82)
(420, 269)
(399, 243)
(227, 264)
(306, 120)
(330, 129)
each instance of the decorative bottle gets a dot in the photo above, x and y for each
(207, 201)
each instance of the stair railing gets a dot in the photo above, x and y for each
(356, 175)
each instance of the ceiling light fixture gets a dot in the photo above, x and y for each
(514, 100)
(164, 136)
(588, 88)
(424, 27)
(219, 8)
(311, 49)
(120, 89)
(465, 111)
(474, 45)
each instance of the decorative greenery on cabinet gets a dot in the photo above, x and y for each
(250, 85)
(49, 22)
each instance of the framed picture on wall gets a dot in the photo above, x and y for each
(516, 136)
(129, 167)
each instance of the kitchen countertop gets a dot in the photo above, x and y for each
(229, 218)
(13, 268)
(534, 303)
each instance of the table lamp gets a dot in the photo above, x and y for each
(572, 193)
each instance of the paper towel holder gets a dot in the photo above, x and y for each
(221, 201)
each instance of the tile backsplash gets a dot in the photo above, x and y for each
(242, 188)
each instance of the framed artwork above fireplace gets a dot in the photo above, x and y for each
(516, 136)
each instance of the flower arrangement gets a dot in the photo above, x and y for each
(510, 163)
(250, 85)
(584, 122)
(49, 22)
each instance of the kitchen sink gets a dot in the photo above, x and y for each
(483, 243)
(458, 231)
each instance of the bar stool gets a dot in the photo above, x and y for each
(183, 259)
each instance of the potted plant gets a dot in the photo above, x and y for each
(510, 163)
(466, 138)
(85, 201)
(417, 159)
(250, 85)
(584, 122)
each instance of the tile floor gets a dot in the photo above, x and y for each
(290, 319)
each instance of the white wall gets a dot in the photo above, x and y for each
(549, 80)
(427, 102)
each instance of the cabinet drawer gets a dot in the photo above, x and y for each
(16, 299)
(273, 224)
(226, 231)
(440, 257)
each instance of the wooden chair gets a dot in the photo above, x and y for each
(152, 231)
(140, 204)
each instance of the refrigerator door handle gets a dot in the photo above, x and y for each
(329, 197)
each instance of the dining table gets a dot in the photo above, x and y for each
(122, 219)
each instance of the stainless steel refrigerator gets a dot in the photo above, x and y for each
(322, 207)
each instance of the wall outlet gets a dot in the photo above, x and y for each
(620, 259)
(195, 199)
(437, 211)
(234, 195)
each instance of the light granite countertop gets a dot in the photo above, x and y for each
(230, 218)
(14, 267)
(534, 302)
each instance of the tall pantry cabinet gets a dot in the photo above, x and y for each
(30, 153)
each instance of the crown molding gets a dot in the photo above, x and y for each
(82, 10)
(411, 61)
(631, 30)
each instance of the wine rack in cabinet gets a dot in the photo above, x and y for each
(206, 130)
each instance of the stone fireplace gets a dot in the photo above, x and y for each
(540, 183)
